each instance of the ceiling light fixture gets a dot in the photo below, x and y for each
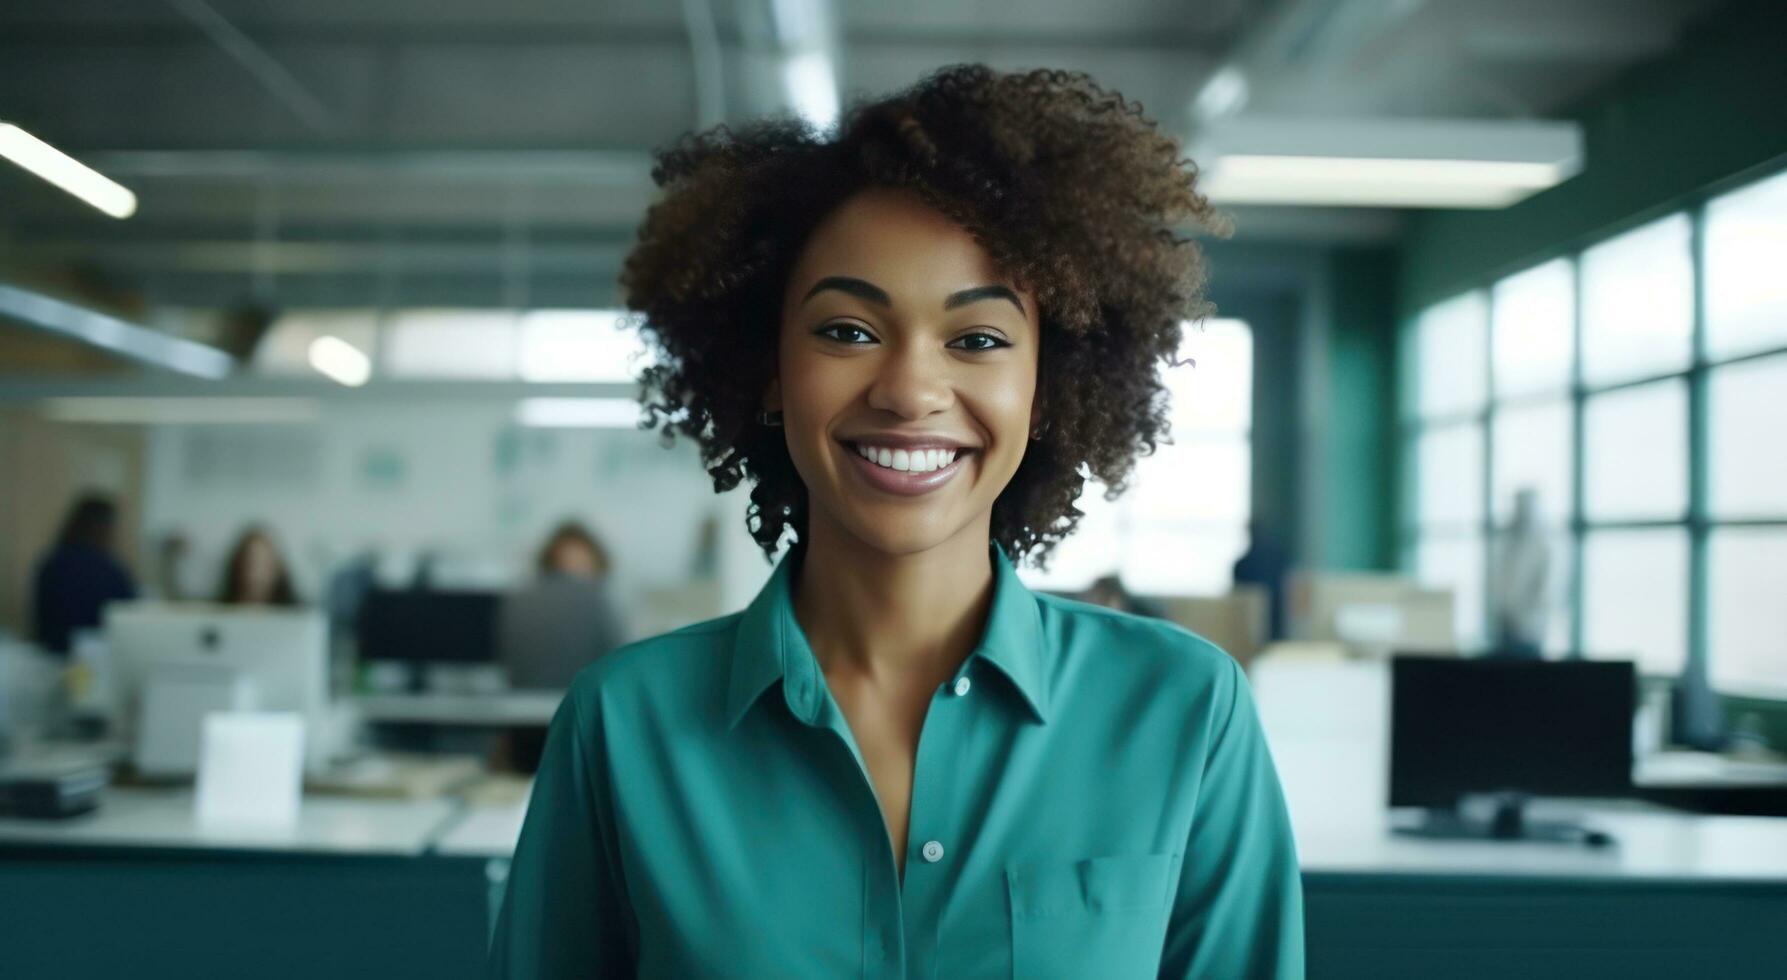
(66, 172)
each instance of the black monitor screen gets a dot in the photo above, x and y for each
(420, 625)
(1483, 725)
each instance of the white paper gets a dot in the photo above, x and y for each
(251, 769)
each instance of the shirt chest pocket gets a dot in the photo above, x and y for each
(1096, 917)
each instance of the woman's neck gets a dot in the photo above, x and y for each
(892, 620)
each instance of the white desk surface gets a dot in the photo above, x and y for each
(505, 708)
(483, 831)
(140, 817)
(1652, 843)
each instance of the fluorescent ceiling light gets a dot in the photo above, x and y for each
(579, 413)
(340, 361)
(806, 37)
(1366, 182)
(182, 411)
(450, 343)
(1385, 162)
(812, 87)
(580, 345)
(128, 339)
(66, 172)
(1224, 94)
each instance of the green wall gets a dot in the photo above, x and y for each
(1323, 395)
(1357, 460)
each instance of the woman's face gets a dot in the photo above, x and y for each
(899, 335)
(572, 557)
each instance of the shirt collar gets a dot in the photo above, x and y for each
(769, 645)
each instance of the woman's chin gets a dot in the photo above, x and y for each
(898, 533)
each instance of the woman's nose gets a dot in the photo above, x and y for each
(912, 384)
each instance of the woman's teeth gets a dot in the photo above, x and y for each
(914, 461)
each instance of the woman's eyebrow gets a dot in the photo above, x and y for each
(864, 290)
(979, 293)
(853, 286)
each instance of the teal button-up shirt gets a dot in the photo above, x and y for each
(1092, 798)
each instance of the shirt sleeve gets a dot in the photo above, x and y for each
(1239, 908)
(565, 912)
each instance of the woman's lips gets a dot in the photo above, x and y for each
(900, 482)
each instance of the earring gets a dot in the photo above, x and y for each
(769, 418)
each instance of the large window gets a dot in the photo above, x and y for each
(1638, 304)
(1635, 441)
(1451, 388)
(1636, 387)
(1745, 458)
(1183, 522)
(1746, 294)
(1534, 331)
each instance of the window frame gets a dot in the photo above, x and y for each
(1697, 521)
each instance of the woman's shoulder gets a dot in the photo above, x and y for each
(1157, 647)
(689, 654)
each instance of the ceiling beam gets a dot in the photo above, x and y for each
(273, 76)
(138, 343)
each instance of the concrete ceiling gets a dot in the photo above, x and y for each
(445, 152)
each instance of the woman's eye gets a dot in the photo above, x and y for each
(845, 332)
(981, 341)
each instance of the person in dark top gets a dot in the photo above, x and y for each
(556, 625)
(80, 574)
(1265, 565)
(255, 574)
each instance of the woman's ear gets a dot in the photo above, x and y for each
(772, 396)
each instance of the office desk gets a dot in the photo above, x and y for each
(1678, 894)
(150, 818)
(408, 888)
(483, 832)
(138, 889)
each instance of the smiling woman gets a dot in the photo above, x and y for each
(1071, 194)
(916, 341)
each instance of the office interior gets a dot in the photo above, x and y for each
(317, 366)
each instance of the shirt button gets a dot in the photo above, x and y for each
(962, 686)
(933, 851)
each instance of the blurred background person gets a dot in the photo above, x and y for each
(1265, 564)
(80, 574)
(172, 553)
(573, 551)
(1110, 592)
(565, 618)
(256, 573)
(1522, 581)
(556, 625)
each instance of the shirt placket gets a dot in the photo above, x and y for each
(883, 946)
(900, 921)
(934, 836)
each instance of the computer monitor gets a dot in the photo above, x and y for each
(426, 626)
(283, 654)
(1510, 727)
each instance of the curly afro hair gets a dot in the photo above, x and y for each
(1075, 194)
